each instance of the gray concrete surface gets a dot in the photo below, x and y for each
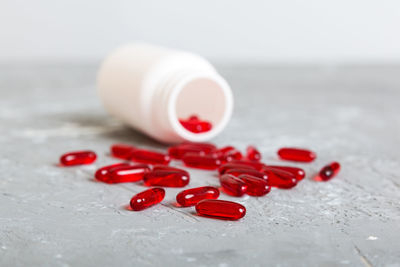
(52, 216)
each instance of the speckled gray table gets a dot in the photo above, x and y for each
(52, 216)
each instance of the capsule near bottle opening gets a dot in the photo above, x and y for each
(170, 95)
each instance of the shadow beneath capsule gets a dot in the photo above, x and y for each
(126, 207)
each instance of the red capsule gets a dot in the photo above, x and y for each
(252, 172)
(228, 166)
(228, 153)
(195, 125)
(191, 197)
(221, 209)
(329, 171)
(202, 145)
(168, 168)
(127, 174)
(122, 151)
(254, 164)
(233, 185)
(166, 178)
(177, 152)
(78, 158)
(279, 178)
(255, 186)
(296, 154)
(147, 198)
(149, 157)
(102, 174)
(298, 172)
(201, 162)
(253, 154)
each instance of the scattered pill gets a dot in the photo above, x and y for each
(147, 198)
(191, 197)
(166, 178)
(149, 157)
(233, 185)
(201, 162)
(228, 153)
(253, 154)
(255, 164)
(122, 151)
(296, 154)
(78, 158)
(228, 166)
(127, 174)
(280, 179)
(253, 172)
(221, 209)
(255, 186)
(168, 168)
(298, 172)
(102, 174)
(177, 152)
(329, 171)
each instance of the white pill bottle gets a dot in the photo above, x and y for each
(151, 88)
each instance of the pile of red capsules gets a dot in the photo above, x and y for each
(238, 174)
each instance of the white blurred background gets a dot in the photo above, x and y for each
(251, 31)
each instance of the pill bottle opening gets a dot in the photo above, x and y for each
(202, 107)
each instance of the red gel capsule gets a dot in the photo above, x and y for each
(191, 197)
(196, 126)
(201, 162)
(280, 179)
(221, 209)
(257, 165)
(228, 166)
(168, 168)
(177, 152)
(166, 178)
(329, 171)
(252, 172)
(296, 154)
(228, 153)
(202, 145)
(233, 185)
(255, 186)
(78, 158)
(102, 174)
(253, 154)
(298, 172)
(147, 198)
(122, 151)
(127, 174)
(149, 157)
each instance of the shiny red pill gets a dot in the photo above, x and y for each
(122, 151)
(168, 168)
(233, 185)
(201, 162)
(280, 179)
(149, 157)
(253, 154)
(254, 164)
(329, 171)
(191, 197)
(200, 144)
(228, 166)
(253, 172)
(298, 172)
(255, 186)
(220, 209)
(228, 153)
(166, 178)
(177, 152)
(196, 126)
(296, 154)
(102, 174)
(147, 198)
(127, 174)
(78, 158)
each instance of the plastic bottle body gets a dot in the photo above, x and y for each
(150, 88)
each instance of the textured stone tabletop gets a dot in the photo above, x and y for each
(53, 216)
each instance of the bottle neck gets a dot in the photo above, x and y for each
(207, 91)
